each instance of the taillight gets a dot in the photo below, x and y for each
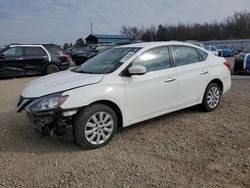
(227, 64)
(64, 57)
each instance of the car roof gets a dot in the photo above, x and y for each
(155, 44)
(32, 45)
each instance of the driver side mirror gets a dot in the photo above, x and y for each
(1, 56)
(137, 70)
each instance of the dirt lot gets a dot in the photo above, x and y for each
(188, 148)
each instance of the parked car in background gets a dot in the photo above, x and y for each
(226, 52)
(212, 49)
(69, 51)
(122, 86)
(20, 60)
(72, 50)
(88, 52)
(237, 51)
(241, 62)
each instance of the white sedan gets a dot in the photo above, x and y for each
(123, 86)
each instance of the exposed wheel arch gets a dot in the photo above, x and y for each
(217, 81)
(114, 107)
(212, 97)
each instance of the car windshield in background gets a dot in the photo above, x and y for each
(247, 49)
(107, 61)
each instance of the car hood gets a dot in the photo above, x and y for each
(59, 82)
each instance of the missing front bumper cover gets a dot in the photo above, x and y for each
(52, 122)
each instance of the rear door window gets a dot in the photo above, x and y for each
(184, 55)
(203, 55)
(34, 51)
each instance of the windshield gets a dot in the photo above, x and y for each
(107, 61)
(247, 49)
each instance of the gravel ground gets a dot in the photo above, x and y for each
(188, 148)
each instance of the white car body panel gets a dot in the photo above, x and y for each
(58, 82)
(138, 97)
(145, 93)
(192, 82)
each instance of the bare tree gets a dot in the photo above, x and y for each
(133, 33)
(234, 27)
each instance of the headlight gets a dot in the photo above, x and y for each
(49, 102)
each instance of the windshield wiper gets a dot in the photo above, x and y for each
(85, 72)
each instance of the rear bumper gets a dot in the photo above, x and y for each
(227, 83)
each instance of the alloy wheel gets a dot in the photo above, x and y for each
(99, 128)
(213, 97)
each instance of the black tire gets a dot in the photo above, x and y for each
(52, 68)
(83, 117)
(235, 68)
(205, 103)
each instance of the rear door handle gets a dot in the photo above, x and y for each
(170, 80)
(204, 72)
(19, 58)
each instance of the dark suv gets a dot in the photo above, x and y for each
(21, 60)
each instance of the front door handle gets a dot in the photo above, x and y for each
(204, 72)
(19, 58)
(170, 80)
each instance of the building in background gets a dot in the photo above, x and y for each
(101, 39)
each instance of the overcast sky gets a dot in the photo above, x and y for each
(59, 21)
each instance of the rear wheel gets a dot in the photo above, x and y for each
(237, 68)
(211, 98)
(52, 68)
(95, 126)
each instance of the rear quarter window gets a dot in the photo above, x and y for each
(203, 55)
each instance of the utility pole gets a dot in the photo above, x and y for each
(91, 28)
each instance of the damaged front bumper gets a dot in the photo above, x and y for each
(55, 122)
(50, 122)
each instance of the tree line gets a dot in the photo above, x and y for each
(236, 26)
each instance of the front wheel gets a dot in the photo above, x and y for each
(95, 126)
(211, 98)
